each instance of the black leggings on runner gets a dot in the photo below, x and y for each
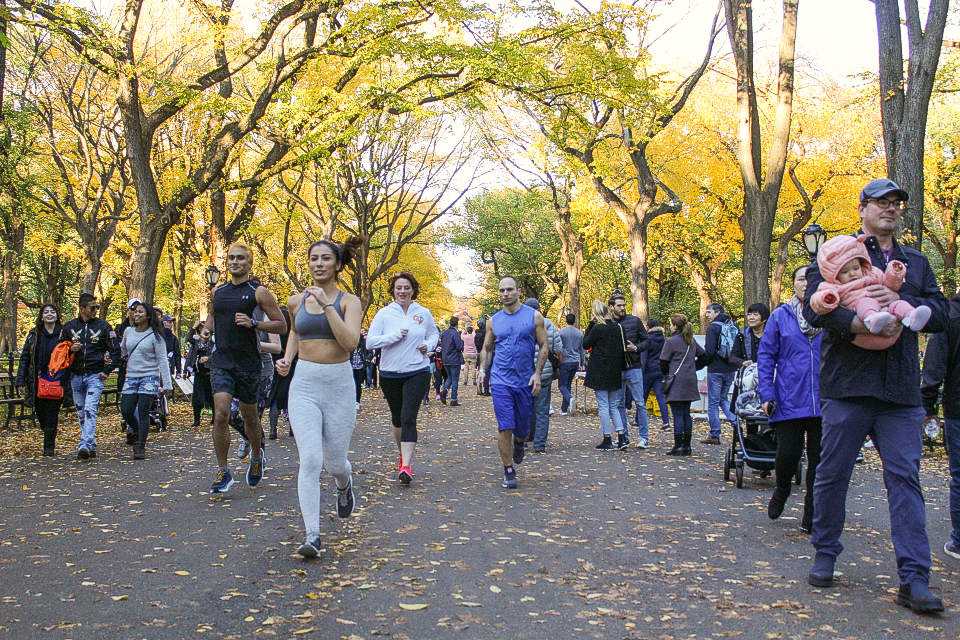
(136, 411)
(404, 396)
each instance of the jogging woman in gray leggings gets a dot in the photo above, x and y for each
(325, 329)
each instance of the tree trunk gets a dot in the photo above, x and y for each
(904, 102)
(571, 254)
(10, 277)
(145, 261)
(88, 282)
(639, 272)
(702, 285)
(762, 182)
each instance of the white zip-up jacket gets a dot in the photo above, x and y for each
(401, 354)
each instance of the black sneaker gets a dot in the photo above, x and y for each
(345, 501)
(509, 478)
(519, 448)
(777, 502)
(917, 597)
(310, 548)
(255, 469)
(606, 445)
(223, 482)
(622, 441)
(83, 453)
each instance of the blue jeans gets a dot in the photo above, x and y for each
(633, 380)
(718, 386)
(895, 430)
(87, 389)
(655, 384)
(609, 405)
(541, 415)
(369, 369)
(452, 383)
(951, 433)
(565, 381)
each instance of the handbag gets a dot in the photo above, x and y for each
(673, 376)
(49, 388)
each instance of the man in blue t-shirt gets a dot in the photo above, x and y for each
(512, 334)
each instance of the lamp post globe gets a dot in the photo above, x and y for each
(212, 274)
(813, 237)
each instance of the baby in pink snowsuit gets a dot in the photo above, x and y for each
(847, 271)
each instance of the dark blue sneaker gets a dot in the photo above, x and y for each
(255, 469)
(951, 550)
(223, 482)
(310, 548)
(509, 478)
(821, 574)
(519, 448)
(916, 596)
(346, 500)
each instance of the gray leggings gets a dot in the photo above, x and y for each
(323, 414)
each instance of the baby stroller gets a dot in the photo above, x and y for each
(159, 411)
(754, 443)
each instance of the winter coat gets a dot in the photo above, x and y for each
(34, 360)
(893, 375)
(788, 366)
(746, 345)
(605, 366)
(634, 332)
(97, 338)
(199, 349)
(684, 387)
(651, 356)
(941, 366)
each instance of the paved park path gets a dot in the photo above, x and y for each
(594, 544)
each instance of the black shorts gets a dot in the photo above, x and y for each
(242, 385)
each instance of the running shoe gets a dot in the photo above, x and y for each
(642, 443)
(406, 474)
(951, 550)
(346, 499)
(509, 478)
(622, 441)
(223, 482)
(519, 448)
(243, 450)
(255, 469)
(83, 453)
(310, 548)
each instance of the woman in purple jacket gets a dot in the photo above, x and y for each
(788, 364)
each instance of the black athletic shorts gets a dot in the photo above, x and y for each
(242, 385)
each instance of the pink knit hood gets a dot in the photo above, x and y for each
(840, 250)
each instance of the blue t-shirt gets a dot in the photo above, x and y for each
(515, 339)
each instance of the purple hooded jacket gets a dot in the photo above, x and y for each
(788, 366)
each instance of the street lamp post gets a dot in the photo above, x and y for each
(813, 238)
(212, 274)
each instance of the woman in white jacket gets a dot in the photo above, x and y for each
(405, 332)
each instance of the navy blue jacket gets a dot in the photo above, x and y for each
(891, 375)
(634, 332)
(711, 345)
(651, 353)
(451, 347)
(788, 367)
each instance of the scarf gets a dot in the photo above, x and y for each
(797, 307)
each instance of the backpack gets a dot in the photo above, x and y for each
(728, 335)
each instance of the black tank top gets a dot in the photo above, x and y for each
(236, 347)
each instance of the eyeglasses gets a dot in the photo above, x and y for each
(884, 203)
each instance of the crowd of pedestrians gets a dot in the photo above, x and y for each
(834, 365)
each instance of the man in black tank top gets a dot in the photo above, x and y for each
(235, 365)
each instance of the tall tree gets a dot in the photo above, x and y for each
(905, 101)
(762, 181)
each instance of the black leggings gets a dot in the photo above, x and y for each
(790, 434)
(48, 415)
(404, 396)
(682, 421)
(202, 395)
(359, 378)
(136, 411)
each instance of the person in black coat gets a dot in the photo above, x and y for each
(198, 365)
(34, 363)
(605, 372)
(652, 375)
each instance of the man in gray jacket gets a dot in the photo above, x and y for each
(541, 406)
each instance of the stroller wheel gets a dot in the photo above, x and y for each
(727, 465)
(739, 475)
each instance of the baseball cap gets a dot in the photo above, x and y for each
(882, 187)
(168, 318)
(533, 303)
(133, 301)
